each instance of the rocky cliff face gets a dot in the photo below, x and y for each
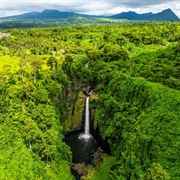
(75, 116)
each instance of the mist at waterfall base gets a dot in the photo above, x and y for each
(82, 148)
(82, 143)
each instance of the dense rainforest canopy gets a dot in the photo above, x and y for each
(135, 72)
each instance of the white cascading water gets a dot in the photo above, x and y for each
(86, 127)
(86, 134)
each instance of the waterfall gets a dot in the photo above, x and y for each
(86, 134)
(86, 127)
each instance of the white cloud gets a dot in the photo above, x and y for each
(96, 7)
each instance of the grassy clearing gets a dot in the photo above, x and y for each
(8, 63)
(12, 64)
(114, 20)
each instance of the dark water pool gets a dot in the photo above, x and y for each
(82, 148)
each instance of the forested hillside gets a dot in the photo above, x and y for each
(134, 71)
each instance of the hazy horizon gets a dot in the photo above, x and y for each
(91, 7)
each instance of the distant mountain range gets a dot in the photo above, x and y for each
(165, 15)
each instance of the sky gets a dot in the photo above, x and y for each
(93, 7)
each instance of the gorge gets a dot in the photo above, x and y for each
(82, 143)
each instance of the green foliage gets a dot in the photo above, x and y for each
(103, 171)
(32, 144)
(138, 118)
(133, 68)
(71, 21)
(52, 62)
(157, 172)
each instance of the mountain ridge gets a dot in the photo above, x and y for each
(165, 15)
